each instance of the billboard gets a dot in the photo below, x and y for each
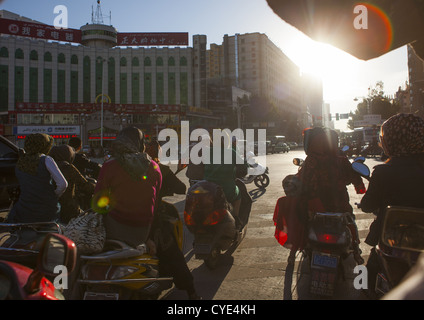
(153, 39)
(39, 31)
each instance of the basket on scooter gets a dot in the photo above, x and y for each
(205, 205)
(402, 241)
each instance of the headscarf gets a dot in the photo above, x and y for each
(63, 153)
(128, 150)
(402, 135)
(36, 145)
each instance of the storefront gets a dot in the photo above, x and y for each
(60, 133)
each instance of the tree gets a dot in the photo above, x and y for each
(375, 103)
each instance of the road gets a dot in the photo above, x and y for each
(257, 269)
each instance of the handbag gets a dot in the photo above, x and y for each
(87, 231)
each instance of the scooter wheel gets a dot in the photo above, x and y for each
(262, 181)
(212, 260)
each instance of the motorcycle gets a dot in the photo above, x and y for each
(399, 245)
(258, 173)
(329, 244)
(18, 282)
(207, 215)
(122, 272)
(21, 242)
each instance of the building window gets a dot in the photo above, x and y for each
(87, 80)
(74, 86)
(4, 53)
(4, 87)
(135, 62)
(171, 61)
(47, 94)
(74, 59)
(48, 57)
(159, 61)
(123, 62)
(123, 88)
(61, 85)
(147, 62)
(183, 88)
(99, 76)
(19, 54)
(183, 61)
(160, 88)
(33, 55)
(33, 85)
(111, 81)
(61, 58)
(171, 88)
(147, 88)
(135, 84)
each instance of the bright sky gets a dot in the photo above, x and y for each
(344, 77)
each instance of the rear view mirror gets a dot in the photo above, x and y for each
(361, 168)
(57, 250)
(297, 161)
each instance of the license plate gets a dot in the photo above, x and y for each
(323, 260)
(100, 296)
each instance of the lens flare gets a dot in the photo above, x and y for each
(381, 27)
(103, 202)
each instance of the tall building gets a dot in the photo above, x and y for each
(416, 82)
(60, 77)
(252, 62)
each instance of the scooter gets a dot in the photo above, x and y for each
(207, 215)
(18, 282)
(258, 173)
(399, 245)
(21, 242)
(122, 272)
(329, 244)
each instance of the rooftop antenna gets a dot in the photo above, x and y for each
(97, 18)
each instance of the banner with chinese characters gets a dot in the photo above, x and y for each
(153, 39)
(40, 31)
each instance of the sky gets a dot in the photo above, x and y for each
(344, 76)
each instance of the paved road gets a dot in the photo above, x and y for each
(258, 270)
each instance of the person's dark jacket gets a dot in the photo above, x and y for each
(77, 184)
(399, 182)
(86, 166)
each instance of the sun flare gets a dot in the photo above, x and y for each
(324, 61)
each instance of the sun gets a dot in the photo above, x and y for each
(333, 66)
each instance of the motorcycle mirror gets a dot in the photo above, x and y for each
(56, 250)
(297, 161)
(361, 168)
(359, 159)
(345, 148)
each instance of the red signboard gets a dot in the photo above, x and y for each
(40, 31)
(153, 39)
(87, 108)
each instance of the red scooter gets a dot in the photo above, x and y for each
(18, 282)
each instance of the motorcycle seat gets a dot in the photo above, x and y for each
(121, 251)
